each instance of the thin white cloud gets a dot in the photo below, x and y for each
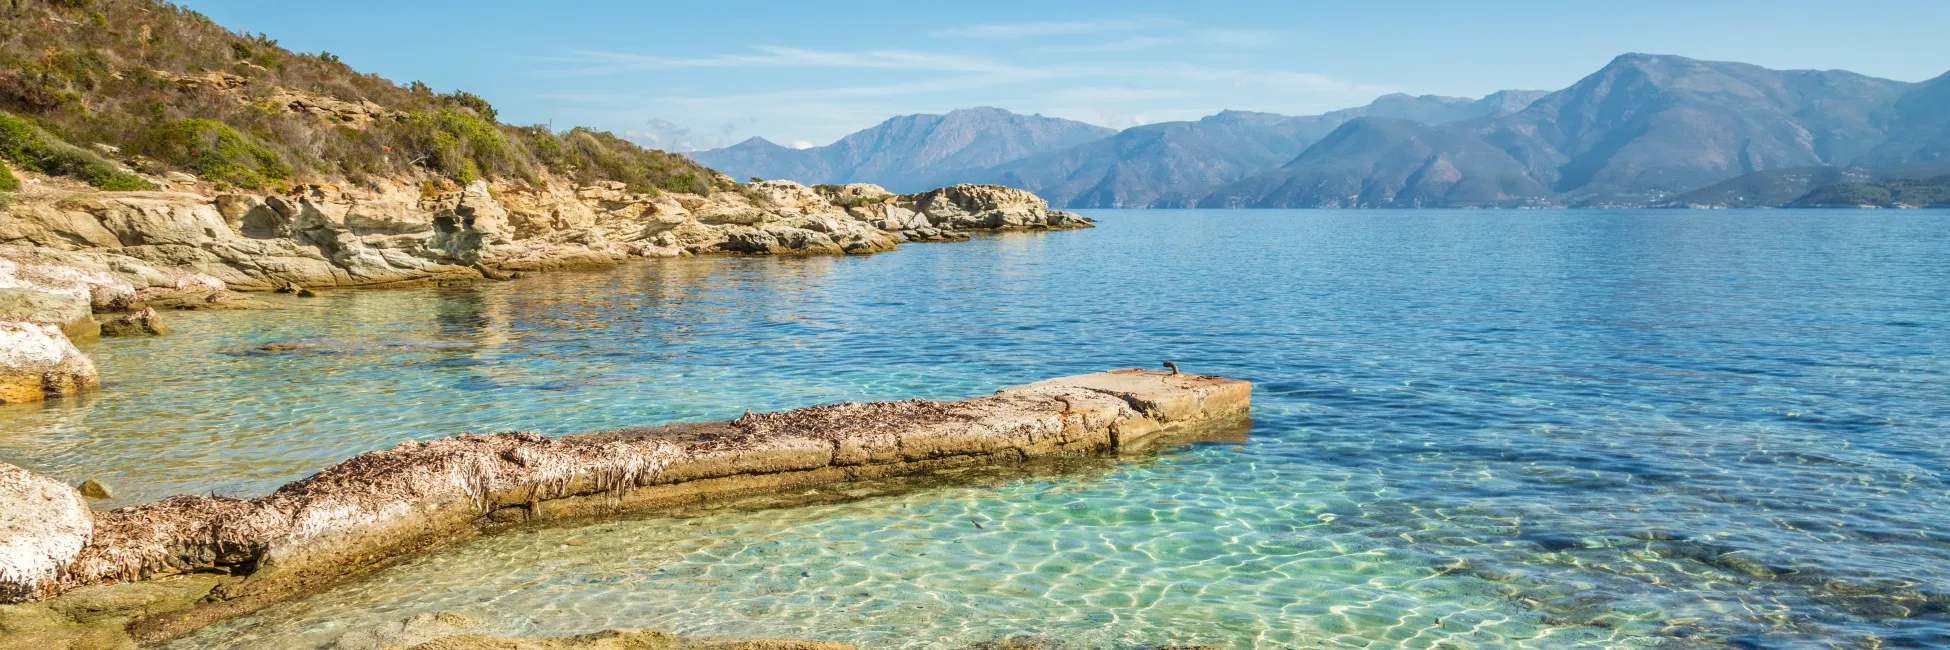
(1131, 44)
(1281, 79)
(1088, 95)
(1040, 29)
(1056, 76)
(1227, 37)
(772, 56)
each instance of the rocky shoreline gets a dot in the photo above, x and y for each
(76, 262)
(156, 571)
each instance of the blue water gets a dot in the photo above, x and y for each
(1472, 429)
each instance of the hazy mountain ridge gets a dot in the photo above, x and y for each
(1167, 164)
(1644, 130)
(1641, 131)
(1179, 164)
(909, 151)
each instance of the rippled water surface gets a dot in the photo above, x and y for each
(1472, 430)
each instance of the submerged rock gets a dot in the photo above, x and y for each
(141, 322)
(94, 489)
(448, 631)
(408, 633)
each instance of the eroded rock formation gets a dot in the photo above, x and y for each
(237, 555)
(394, 233)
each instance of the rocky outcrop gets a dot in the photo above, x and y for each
(988, 207)
(388, 504)
(395, 233)
(356, 115)
(141, 322)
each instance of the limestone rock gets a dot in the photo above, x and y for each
(65, 310)
(43, 527)
(989, 207)
(393, 232)
(141, 322)
(358, 115)
(854, 195)
(37, 361)
(114, 602)
(108, 281)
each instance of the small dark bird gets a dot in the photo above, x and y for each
(1172, 366)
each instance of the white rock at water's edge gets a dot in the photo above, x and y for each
(43, 525)
(37, 360)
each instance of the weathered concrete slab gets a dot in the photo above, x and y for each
(381, 506)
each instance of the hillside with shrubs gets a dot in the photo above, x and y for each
(97, 89)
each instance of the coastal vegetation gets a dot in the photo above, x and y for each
(1900, 193)
(177, 92)
(33, 149)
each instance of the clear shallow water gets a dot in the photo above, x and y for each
(1480, 429)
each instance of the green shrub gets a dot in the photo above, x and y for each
(36, 150)
(8, 182)
(472, 102)
(587, 154)
(118, 84)
(215, 151)
(459, 145)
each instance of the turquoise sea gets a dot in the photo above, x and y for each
(1472, 429)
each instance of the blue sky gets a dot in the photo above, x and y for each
(702, 74)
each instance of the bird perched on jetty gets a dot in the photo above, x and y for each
(1172, 366)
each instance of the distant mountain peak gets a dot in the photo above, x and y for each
(908, 152)
(1641, 130)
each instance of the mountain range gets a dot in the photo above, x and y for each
(907, 153)
(1645, 130)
